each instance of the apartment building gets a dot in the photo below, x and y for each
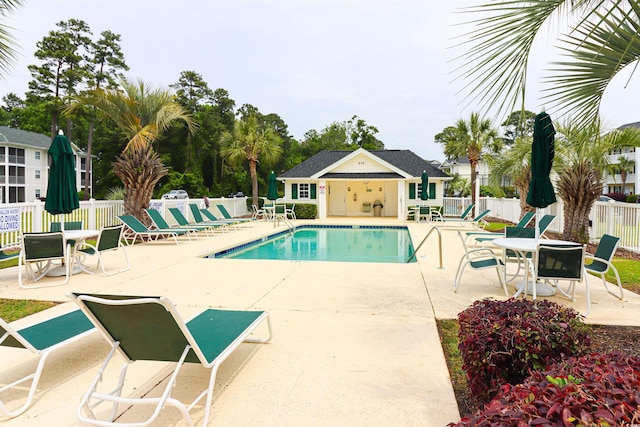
(24, 165)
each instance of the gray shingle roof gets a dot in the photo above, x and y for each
(23, 137)
(404, 160)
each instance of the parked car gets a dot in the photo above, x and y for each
(176, 194)
(604, 198)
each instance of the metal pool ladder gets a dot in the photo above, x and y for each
(413, 255)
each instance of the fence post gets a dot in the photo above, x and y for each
(92, 215)
(38, 211)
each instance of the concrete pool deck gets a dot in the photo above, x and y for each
(354, 344)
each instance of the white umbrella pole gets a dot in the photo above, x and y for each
(537, 228)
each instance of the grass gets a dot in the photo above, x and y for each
(11, 310)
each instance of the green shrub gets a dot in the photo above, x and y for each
(501, 341)
(305, 211)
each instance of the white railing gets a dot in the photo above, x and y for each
(26, 217)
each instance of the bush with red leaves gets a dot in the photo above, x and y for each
(501, 341)
(594, 390)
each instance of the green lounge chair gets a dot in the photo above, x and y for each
(41, 339)
(160, 334)
(10, 251)
(483, 236)
(477, 222)
(462, 216)
(196, 212)
(183, 222)
(138, 229)
(109, 239)
(227, 216)
(39, 250)
(161, 224)
(211, 217)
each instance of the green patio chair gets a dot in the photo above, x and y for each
(10, 251)
(555, 263)
(601, 261)
(479, 259)
(484, 236)
(68, 225)
(227, 216)
(109, 240)
(39, 250)
(40, 339)
(161, 224)
(200, 222)
(151, 329)
(137, 229)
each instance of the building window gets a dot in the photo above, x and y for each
(37, 193)
(303, 191)
(37, 174)
(2, 152)
(16, 155)
(37, 155)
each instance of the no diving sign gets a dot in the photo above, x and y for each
(9, 219)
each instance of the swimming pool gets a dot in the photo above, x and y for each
(355, 243)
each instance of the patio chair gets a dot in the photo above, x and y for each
(601, 261)
(212, 218)
(39, 250)
(68, 225)
(109, 240)
(555, 263)
(484, 236)
(40, 339)
(10, 251)
(479, 259)
(291, 212)
(477, 222)
(160, 334)
(462, 216)
(227, 216)
(200, 222)
(137, 229)
(161, 224)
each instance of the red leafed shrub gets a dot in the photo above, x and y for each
(594, 390)
(501, 341)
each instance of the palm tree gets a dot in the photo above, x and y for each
(142, 113)
(581, 160)
(604, 41)
(251, 142)
(472, 139)
(624, 166)
(7, 42)
(514, 163)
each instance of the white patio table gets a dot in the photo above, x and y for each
(523, 246)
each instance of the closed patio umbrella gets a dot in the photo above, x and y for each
(541, 193)
(272, 190)
(62, 193)
(424, 186)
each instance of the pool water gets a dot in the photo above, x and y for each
(345, 243)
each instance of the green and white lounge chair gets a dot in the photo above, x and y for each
(211, 217)
(211, 225)
(10, 251)
(463, 216)
(227, 216)
(138, 229)
(150, 329)
(477, 222)
(196, 212)
(483, 236)
(41, 339)
(161, 224)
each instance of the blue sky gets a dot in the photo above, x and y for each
(312, 62)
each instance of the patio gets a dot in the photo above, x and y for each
(353, 344)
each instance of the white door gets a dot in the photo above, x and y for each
(337, 198)
(390, 199)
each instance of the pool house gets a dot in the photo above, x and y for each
(362, 183)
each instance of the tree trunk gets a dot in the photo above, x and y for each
(254, 181)
(139, 171)
(473, 187)
(87, 175)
